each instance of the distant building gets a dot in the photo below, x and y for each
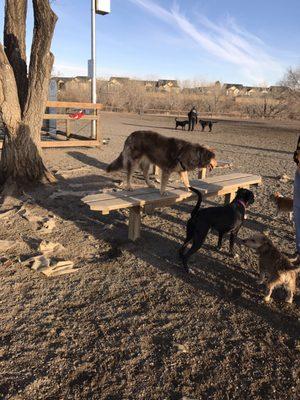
(233, 89)
(165, 85)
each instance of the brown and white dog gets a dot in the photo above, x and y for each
(143, 148)
(275, 269)
(283, 204)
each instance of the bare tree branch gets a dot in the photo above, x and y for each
(291, 79)
(15, 44)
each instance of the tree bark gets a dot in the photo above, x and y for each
(21, 159)
(15, 44)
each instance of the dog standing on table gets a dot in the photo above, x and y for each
(283, 204)
(143, 148)
(224, 219)
(274, 268)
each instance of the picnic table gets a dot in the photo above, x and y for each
(140, 199)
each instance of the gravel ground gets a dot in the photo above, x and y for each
(129, 324)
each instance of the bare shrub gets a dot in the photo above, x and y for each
(209, 99)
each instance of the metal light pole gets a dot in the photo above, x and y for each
(97, 7)
(93, 61)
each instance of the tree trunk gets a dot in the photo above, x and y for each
(22, 109)
(22, 161)
(15, 44)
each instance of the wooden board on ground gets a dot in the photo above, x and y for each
(221, 164)
(137, 200)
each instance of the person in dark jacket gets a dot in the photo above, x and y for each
(296, 258)
(193, 118)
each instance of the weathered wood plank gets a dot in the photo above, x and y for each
(221, 164)
(67, 143)
(74, 104)
(67, 117)
(119, 193)
(106, 202)
(147, 190)
(113, 204)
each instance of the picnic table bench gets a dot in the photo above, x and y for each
(142, 198)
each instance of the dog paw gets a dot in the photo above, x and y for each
(151, 185)
(267, 299)
(128, 188)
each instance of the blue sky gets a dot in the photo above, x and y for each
(250, 42)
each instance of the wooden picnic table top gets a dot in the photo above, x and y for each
(212, 186)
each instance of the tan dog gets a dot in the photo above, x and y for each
(143, 148)
(283, 204)
(274, 268)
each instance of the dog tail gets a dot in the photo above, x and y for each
(197, 206)
(116, 165)
(176, 119)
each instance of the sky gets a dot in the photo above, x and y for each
(233, 41)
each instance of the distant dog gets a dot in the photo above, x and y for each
(224, 219)
(283, 204)
(181, 123)
(143, 148)
(275, 269)
(207, 123)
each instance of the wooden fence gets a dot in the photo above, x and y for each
(68, 139)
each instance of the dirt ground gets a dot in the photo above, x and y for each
(130, 324)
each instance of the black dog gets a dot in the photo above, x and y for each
(181, 123)
(207, 123)
(224, 219)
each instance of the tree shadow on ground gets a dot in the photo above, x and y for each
(150, 126)
(85, 159)
(213, 277)
(254, 148)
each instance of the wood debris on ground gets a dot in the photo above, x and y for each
(50, 267)
(48, 248)
(6, 245)
(284, 178)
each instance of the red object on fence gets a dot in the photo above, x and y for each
(77, 115)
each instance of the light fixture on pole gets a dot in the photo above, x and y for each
(97, 7)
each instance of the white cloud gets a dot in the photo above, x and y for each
(228, 42)
(69, 70)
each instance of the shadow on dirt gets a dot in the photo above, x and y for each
(229, 283)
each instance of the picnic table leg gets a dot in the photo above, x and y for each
(229, 197)
(134, 228)
(202, 173)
